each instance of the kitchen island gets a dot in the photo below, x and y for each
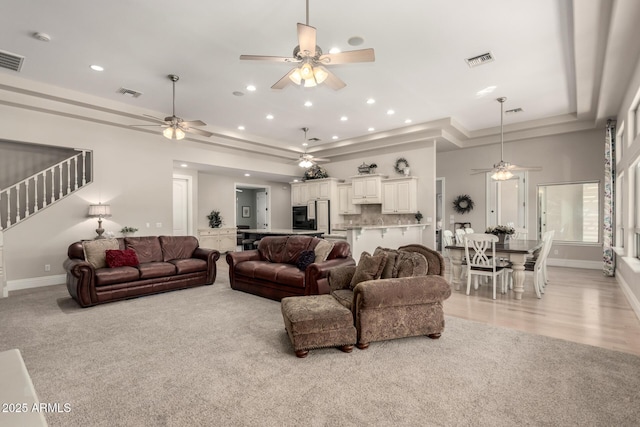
(259, 233)
(368, 237)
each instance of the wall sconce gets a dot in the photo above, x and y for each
(99, 211)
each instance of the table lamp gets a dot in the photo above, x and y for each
(100, 211)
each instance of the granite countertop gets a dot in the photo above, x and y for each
(347, 227)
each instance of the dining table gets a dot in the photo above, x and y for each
(514, 250)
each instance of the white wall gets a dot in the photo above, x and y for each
(564, 158)
(133, 172)
(628, 156)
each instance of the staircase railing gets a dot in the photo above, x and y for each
(25, 198)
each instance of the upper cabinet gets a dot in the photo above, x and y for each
(317, 189)
(345, 200)
(400, 196)
(367, 189)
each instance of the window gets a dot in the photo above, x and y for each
(572, 210)
(619, 209)
(636, 209)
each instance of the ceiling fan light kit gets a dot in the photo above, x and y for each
(173, 132)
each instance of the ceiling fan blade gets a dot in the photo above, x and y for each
(155, 126)
(362, 55)
(194, 123)
(155, 118)
(479, 171)
(197, 131)
(283, 82)
(524, 168)
(333, 81)
(268, 58)
(307, 39)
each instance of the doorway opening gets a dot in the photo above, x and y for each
(253, 206)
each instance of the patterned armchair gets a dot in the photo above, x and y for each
(406, 299)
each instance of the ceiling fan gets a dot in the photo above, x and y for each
(502, 170)
(311, 71)
(307, 160)
(175, 127)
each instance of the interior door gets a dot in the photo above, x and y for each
(506, 201)
(262, 217)
(181, 207)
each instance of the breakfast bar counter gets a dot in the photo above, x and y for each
(368, 237)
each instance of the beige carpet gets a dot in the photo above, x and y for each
(213, 356)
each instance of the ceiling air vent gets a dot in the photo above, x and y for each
(129, 92)
(11, 61)
(314, 139)
(514, 110)
(480, 59)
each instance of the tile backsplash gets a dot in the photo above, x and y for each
(372, 215)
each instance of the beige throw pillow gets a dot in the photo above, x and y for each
(95, 251)
(369, 268)
(322, 250)
(392, 256)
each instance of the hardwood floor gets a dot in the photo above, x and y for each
(579, 305)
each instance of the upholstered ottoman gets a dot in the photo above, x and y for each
(318, 321)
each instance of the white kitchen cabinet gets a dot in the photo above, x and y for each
(367, 189)
(400, 196)
(299, 194)
(222, 239)
(322, 216)
(317, 189)
(345, 200)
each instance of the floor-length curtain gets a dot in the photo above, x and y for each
(609, 266)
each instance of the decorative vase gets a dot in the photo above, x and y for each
(501, 238)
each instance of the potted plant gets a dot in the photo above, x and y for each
(215, 219)
(126, 230)
(501, 231)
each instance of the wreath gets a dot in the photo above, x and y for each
(463, 204)
(401, 165)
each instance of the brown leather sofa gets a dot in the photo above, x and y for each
(165, 263)
(270, 270)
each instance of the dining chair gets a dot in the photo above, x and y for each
(551, 235)
(480, 253)
(447, 240)
(536, 266)
(520, 234)
(460, 233)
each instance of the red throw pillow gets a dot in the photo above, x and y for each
(125, 258)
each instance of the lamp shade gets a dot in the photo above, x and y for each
(99, 210)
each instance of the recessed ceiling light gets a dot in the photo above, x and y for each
(334, 137)
(407, 121)
(335, 50)
(247, 174)
(371, 101)
(304, 144)
(390, 112)
(184, 165)
(251, 88)
(269, 116)
(295, 180)
(308, 104)
(42, 37)
(240, 127)
(238, 93)
(371, 129)
(355, 41)
(344, 118)
(97, 68)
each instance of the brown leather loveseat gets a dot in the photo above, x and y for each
(272, 270)
(160, 264)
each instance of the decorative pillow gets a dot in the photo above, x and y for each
(125, 258)
(322, 250)
(95, 251)
(369, 268)
(305, 259)
(410, 264)
(392, 256)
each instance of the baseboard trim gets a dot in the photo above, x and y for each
(633, 300)
(575, 263)
(35, 282)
